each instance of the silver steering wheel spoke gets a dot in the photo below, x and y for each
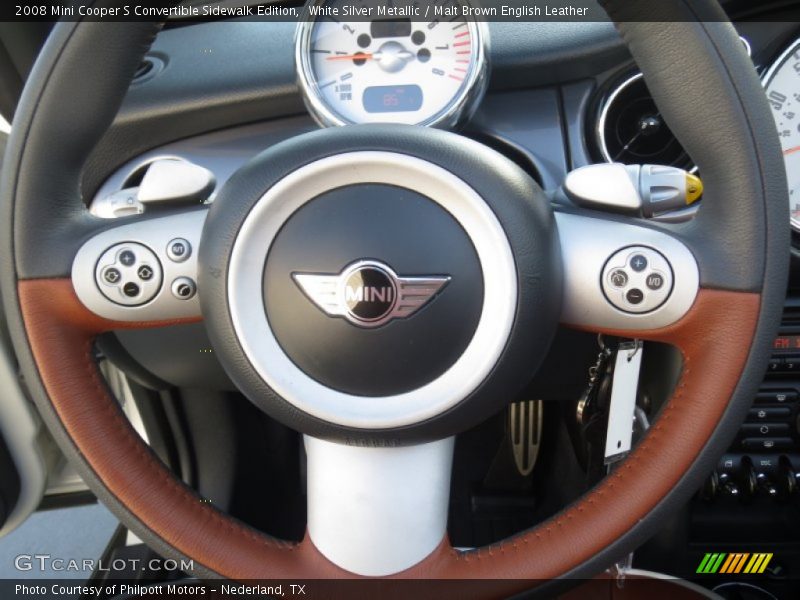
(622, 276)
(378, 511)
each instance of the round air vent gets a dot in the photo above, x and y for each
(630, 129)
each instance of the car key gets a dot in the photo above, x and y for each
(622, 402)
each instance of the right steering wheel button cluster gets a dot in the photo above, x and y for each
(637, 279)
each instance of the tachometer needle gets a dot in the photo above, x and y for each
(791, 151)
(357, 56)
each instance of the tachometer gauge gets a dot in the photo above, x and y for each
(782, 83)
(390, 69)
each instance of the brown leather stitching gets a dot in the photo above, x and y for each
(57, 324)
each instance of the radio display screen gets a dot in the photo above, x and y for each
(786, 343)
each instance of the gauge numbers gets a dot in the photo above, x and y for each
(782, 83)
(391, 70)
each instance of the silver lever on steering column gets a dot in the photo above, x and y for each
(648, 191)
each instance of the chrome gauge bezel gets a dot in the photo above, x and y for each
(766, 79)
(458, 110)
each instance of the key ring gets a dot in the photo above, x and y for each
(632, 352)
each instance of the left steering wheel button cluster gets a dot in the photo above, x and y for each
(129, 274)
(126, 273)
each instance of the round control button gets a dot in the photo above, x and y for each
(184, 288)
(638, 262)
(635, 296)
(127, 258)
(111, 275)
(655, 281)
(131, 289)
(145, 272)
(178, 250)
(618, 278)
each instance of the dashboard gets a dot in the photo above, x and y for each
(553, 97)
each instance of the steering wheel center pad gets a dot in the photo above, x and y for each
(417, 203)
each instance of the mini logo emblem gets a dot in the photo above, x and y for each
(369, 293)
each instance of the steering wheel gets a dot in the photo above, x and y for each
(383, 288)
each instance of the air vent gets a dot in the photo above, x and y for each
(631, 130)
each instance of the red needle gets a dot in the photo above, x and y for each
(357, 56)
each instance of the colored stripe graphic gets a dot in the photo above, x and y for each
(733, 563)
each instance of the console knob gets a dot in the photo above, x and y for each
(765, 484)
(728, 485)
(787, 478)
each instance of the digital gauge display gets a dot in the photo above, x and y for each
(392, 98)
(389, 70)
(782, 84)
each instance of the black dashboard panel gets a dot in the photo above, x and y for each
(177, 103)
(535, 54)
(196, 77)
(197, 91)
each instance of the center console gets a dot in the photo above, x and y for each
(749, 506)
(764, 460)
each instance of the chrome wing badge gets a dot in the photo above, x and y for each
(369, 293)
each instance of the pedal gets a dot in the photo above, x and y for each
(525, 432)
